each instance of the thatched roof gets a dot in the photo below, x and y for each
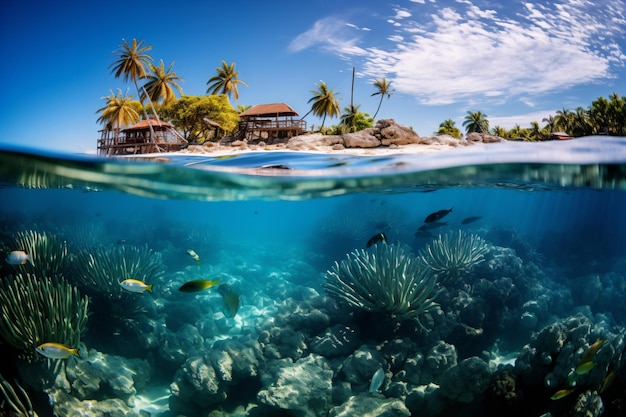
(269, 110)
(143, 125)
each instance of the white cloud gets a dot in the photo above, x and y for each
(523, 120)
(466, 52)
(330, 34)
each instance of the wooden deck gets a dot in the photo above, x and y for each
(107, 147)
(269, 129)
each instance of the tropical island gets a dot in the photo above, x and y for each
(160, 120)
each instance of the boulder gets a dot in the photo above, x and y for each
(391, 133)
(367, 405)
(366, 138)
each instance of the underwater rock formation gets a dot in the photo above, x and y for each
(367, 405)
(303, 387)
(465, 381)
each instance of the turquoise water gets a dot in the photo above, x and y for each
(508, 331)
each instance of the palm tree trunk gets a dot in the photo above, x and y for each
(145, 114)
(379, 103)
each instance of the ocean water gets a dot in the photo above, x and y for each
(524, 245)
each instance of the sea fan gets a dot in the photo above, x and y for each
(454, 255)
(385, 279)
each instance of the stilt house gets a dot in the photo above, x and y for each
(138, 139)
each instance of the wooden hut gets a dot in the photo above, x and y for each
(271, 122)
(138, 139)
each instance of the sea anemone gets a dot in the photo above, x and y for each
(48, 253)
(453, 255)
(38, 310)
(100, 270)
(385, 279)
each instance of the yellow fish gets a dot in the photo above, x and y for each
(194, 255)
(231, 300)
(583, 368)
(18, 257)
(562, 393)
(591, 352)
(134, 285)
(56, 351)
(198, 285)
(606, 383)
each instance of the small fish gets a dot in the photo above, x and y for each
(231, 300)
(606, 382)
(198, 285)
(377, 380)
(591, 352)
(471, 219)
(376, 239)
(56, 351)
(583, 368)
(194, 256)
(134, 285)
(429, 226)
(19, 257)
(562, 393)
(437, 215)
(423, 234)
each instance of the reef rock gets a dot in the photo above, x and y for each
(439, 359)
(367, 405)
(303, 387)
(196, 384)
(466, 381)
(339, 340)
(68, 406)
(359, 367)
(483, 137)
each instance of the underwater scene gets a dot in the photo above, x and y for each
(482, 281)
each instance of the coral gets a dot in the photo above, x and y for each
(100, 270)
(39, 310)
(453, 255)
(19, 403)
(364, 405)
(466, 381)
(359, 367)
(68, 406)
(385, 279)
(339, 340)
(303, 387)
(48, 253)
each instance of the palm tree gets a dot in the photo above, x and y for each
(580, 122)
(448, 127)
(550, 122)
(131, 66)
(325, 102)
(476, 122)
(534, 134)
(499, 131)
(564, 120)
(383, 87)
(118, 111)
(161, 84)
(226, 81)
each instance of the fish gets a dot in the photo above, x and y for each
(134, 285)
(377, 380)
(423, 234)
(437, 215)
(56, 351)
(194, 255)
(591, 352)
(471, 219)
(231, 300)
(562, 393)
(429, 226)
(606, 382)
(583, 368)
(376, 239)
(198, 285)
(19, 257)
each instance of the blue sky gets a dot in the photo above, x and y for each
(516, 61)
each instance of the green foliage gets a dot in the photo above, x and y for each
(384, 279)
(99, 271)
(324, 102)
(118, 112)
(226, 81)
(187, 114)
(38, 310)
(476, 122)
(448, 127)
(453, 255)
(352, 120)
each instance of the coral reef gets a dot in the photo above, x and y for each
(48, 253)
(38, 310)
(386, 279)
(453, 255)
